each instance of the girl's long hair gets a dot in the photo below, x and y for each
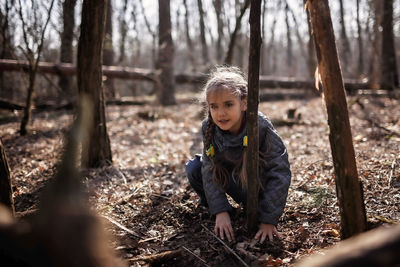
(233, 80)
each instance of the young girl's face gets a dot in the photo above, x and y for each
(227, 110)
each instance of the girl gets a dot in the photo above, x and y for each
(221, 168)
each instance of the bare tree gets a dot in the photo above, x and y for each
(6, 48)
(33, 49)
(360, 42)
(220, 27)
(108, 51)
(389, 72)
(345, 47)
(229, 53)
(252, 117)
(204, 48)
(152, 33)
(123, 30)
(289, 51)
(311, 62)
(89, 74)
(374, 71)
(166, 90)
(66, 51)
(348, 185)
(189, 42)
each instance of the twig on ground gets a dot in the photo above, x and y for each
(203, 261)
(159, 257)
(121, 226)
(392, 167)
(226, 246)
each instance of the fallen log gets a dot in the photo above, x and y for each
(378, 247)
(158, 258)
(119, 72)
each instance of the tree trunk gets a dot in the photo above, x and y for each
(360, 43)
(220, 27)
(189, 43)
(229, 54)
(389, 75)
(345, 47)
(204, 49)
(6, 197)
(108, 51)
(89, 74)
(29, 101)
(311, 62)
(252, 117)
(374, 71)
(166, 90)
(289, 51)
(6, 50)
(123, 30)
(348, 185)
(66, 51)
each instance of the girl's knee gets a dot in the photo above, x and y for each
(193, 167)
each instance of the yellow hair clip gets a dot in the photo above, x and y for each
(210, 151)
(245, 140)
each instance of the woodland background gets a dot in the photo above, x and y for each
(153, 117)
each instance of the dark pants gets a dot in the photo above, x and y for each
(193, 172)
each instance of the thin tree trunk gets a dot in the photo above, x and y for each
(137, 39)
(33, 65)
(374, 71)
(166, 90)
(89, 73)
(6, 197)
(108, 51)
(220, 28)
(345, 48)
(271, 65)
(252, 117)
(264, 57)
(123, 29)
(66, 51)
(204, 49)
(348, 185)
(311, 62)
(229, 55)
(289, 51)
(189, 42)
(152, 33)
(6, 51)
(389, 73)
(360, 43)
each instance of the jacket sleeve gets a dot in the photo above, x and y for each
(216, 197)
(275, 177)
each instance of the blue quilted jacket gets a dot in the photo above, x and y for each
(275, 176)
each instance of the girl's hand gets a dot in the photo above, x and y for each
(223, 226)
(266, 230)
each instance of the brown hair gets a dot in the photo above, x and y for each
(233, 80)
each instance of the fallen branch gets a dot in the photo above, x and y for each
(159, 257)
(378, 247)
(121, 226)
(226, 246)
(188, 250)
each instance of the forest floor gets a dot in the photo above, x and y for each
(146, 191)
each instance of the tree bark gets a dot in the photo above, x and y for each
(66, 51)
(6, 192)
(166, 90)
(204, 48)
(229, 54)
(348, 185)
(89, 74)
(389, 72)
(252, 117)
(374, 70)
